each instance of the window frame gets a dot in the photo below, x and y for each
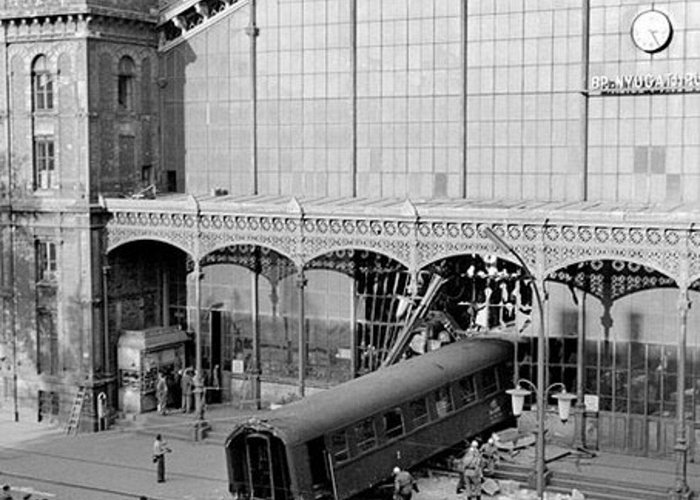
(44, 162)
(46, 260)
(366, 442)
(126, 77)
(467, 398)
(438, 401)
(393, 432)
(342, 453)
(418, 421)
(43, 88)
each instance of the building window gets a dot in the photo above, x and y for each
(45, 261)
(44, 162)
(42, 85)
(46, 342)
(147, 175)
(125, 83)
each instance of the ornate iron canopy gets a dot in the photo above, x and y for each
(639, 246)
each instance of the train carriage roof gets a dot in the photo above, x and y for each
(350, 402)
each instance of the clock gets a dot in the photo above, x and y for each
(651, 31)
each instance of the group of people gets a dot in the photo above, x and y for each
(477, 462)
(183, 384)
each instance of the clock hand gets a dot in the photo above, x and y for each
(653, 35)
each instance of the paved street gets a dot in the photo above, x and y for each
(108, 465)
(117, 464)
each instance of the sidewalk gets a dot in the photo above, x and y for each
(107, 465)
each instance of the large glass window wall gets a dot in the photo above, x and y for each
(304, 90)
(409, 82)
(523, 105)
(644, 148)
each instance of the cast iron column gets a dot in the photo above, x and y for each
(200, 425)
(580, 422)
(301, 284)
(256, 330)
(681, 489)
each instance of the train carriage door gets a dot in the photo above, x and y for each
(319, 465)
(267, 473)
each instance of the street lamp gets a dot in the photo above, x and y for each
(564, 398)
(539, 387)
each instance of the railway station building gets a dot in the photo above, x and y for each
(286, 183)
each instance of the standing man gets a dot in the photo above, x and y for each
(162, 393)
(470, 479)
(404, 484)
(489, 454)
(186, 387)
(160, 448)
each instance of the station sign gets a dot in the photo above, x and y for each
(646, 83)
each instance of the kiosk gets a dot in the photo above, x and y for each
(141, 354)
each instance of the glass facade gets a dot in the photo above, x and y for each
(438, 98)
(644, 147)
(508, 100)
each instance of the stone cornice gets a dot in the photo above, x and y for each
(79, 25)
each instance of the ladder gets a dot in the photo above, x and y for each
(76, 410)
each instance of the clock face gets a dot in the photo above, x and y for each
(652, 31)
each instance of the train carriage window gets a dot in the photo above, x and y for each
(418, 410)
(393, 423)
(339, 445)
(489, 381)
(443, 401)
(467, 390)
(366, 436)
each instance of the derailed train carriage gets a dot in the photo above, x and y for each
(337, 443)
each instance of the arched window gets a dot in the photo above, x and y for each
(42, 84)
(125, 83)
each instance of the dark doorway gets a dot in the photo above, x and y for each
(267, 471)
(216, 334)
(217, 324)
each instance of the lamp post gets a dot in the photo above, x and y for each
(564, 400)
(200, 426)
(539, 387)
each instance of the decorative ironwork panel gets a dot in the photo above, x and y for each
(654, 247)
(404, 234)
(175, 229)
(393, 238)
